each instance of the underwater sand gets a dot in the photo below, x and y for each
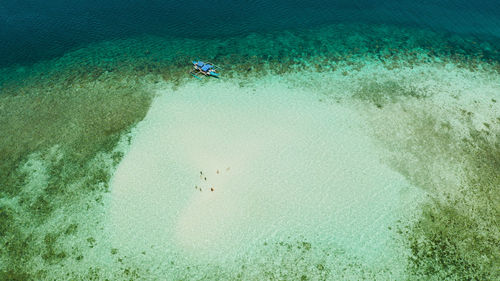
(283, 165)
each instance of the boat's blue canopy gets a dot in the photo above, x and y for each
(199, 63)
(206, 67)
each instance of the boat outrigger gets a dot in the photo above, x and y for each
(205, 68)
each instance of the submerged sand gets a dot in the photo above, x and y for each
(282, 164)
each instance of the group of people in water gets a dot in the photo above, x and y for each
(204, 178)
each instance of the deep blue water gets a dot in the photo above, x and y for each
(31, 30)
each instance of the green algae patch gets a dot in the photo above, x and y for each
(451, 154)
(459, 237)
(53, 133)
(381, 93)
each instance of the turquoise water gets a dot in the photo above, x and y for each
(335, 151)
(34, 31)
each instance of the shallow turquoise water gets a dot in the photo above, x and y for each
(337, 138)
(283, 166)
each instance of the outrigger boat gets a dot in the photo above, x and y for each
(205, 68)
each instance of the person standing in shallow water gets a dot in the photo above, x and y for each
(202, 176)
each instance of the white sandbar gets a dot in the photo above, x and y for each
(282, 164)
